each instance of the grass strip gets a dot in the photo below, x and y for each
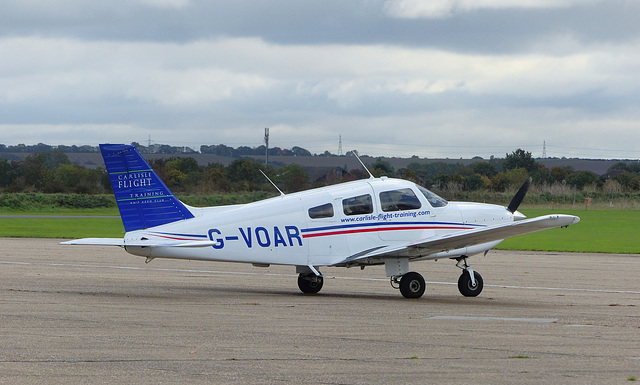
(105, 212)
(599, 231)
(61, 228)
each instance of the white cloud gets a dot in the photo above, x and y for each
(168, 74)
(69, 134)
(166, 3)
(194, 87)
(436, 9)
(197, 74)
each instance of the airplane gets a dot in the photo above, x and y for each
(374, 221)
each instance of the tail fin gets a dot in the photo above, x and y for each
(143, 199)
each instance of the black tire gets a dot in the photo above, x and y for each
(465, 286)
(412, 285)
(310, 283)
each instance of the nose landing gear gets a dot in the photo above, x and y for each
(470, 282)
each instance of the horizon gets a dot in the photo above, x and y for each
(197, 149)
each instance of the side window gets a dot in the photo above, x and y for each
(399, 200)
(433, 199)
(361, 204)
(322, 211)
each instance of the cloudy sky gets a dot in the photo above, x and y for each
(433, 78)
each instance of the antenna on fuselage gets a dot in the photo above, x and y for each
(355, 153)
(273, 184)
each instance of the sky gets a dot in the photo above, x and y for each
(431, 78)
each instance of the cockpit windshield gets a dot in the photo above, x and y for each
(433, 199)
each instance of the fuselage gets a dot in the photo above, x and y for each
(379, 221)
(324, 226)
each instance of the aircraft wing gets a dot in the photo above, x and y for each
(465, 238)
(138, 243)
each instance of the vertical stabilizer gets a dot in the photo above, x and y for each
(143, 199)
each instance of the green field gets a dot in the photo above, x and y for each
(103, 211)
(599, 231)
(603, 231)
(61, 228)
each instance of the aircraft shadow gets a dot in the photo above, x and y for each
(171, 293)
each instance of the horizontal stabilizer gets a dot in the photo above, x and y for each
(96, 242)
(136, 243)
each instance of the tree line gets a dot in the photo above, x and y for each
(52, 172)
(502, 174)
(216, 149)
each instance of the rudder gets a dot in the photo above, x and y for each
(143, 199)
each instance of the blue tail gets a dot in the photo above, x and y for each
(143, 199)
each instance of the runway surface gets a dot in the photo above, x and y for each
(72, 314)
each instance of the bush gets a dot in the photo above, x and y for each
(35, 201)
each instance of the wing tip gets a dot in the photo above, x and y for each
(566, 219)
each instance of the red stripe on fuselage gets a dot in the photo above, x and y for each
(383, 229)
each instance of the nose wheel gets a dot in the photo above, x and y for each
(470, 282)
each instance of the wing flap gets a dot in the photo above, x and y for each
(466, 238)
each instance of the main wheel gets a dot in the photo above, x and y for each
(310, 283)
(466, 287)
(412, 285)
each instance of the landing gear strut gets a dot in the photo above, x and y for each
(470, 282)
(310, 283)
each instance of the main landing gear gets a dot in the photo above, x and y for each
(412, 284)
(309, 283)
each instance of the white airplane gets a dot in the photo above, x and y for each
(375, 221)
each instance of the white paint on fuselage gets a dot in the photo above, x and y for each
(279, 230)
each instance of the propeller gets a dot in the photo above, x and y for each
(517, 199)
